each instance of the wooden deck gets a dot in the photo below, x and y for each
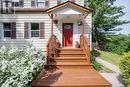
(70, 78)
(69, 70)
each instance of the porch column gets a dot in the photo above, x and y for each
(83, 24)
(51, 24)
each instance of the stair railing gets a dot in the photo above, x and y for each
(52, 47)
(85, 46)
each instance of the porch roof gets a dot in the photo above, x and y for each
(71, 5)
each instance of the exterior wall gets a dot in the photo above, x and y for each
(27, 3)
(40, 17)
(20, 19)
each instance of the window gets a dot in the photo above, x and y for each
(40, 3)
(5, 6)
(7, 29)
(34, 29)
(17, 3)
(61, 1)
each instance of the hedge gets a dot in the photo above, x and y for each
(18, 67)
(125, 67)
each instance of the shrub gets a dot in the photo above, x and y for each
(125, 67)
(96, 65)
(18, 67)
(118, 43)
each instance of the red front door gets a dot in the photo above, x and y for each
(67, 34)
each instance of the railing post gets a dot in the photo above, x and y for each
(51, 24)
(89, 55)
(83, 24)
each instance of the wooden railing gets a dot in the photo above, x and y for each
(85, 45)
(52, 47)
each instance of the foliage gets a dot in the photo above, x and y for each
(125, 67)
(96, 65)
(105, 18)
(19, 66)
(118, 43)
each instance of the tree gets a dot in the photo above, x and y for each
(105, 19)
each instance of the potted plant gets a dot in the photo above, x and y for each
(77, 45)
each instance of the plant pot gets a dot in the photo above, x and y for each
(77, 45)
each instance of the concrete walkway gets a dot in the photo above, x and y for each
(113, 67)
(114, 78)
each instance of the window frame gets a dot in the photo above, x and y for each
(34, 30)
(6, 30)
(43, 1)
(18, 2)
(34, 3)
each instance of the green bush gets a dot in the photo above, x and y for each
(125, 67)
(118, 43)
(18, 67)
(96, 65)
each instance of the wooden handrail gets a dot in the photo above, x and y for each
(51, 47)
(85, 46)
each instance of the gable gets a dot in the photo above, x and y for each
(67, 10)
(69, 7)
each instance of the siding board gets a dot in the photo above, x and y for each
(20, 19)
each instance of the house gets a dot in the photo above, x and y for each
(28, 21)
(55, 26)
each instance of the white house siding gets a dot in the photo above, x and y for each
(40, 17)
(20, 19)
(80, 2)
(52, 3)
(27, 3)
(88, 29)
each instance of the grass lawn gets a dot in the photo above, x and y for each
(110, 57)
(105, 69)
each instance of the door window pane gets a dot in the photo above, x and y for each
(67, 26)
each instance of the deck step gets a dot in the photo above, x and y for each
(78, 50)
(71, 55)
(70, 59)
(69, 65)
(70, 49)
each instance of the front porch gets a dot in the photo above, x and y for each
(71, 22)
(68, 66)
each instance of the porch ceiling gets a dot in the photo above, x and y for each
(67, 10)
(70, 17)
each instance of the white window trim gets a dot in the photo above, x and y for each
(2, 36)
(1, 31)
(36, 3)
(34, 30)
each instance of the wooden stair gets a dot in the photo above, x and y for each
(69, 69)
